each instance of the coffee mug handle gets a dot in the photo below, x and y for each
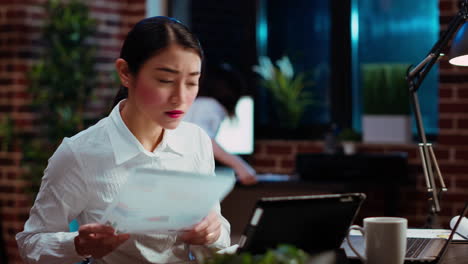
(360, 229)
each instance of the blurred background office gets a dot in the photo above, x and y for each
(342, 48)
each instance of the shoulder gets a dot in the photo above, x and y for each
(189, 131)
(192, 138)
(91, 142)
(96, 131)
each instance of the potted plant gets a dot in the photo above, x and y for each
(60, 84)
(287, 89)
(386, 104)
(348, 138)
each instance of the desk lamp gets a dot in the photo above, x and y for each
(458, 56)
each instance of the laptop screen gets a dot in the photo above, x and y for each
(236, 135)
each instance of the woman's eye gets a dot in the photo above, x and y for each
(192, 84)
(165, 81)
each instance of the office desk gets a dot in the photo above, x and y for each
(456, 254)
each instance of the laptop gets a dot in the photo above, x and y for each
(313, 223)
(417, 249)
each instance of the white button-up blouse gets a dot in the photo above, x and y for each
(84, 175)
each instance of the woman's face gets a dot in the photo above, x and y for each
(166, 85)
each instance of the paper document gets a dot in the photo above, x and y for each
(432, 233)
(157, 201)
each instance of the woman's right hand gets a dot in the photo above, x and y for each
(246, 174)
(97, 240)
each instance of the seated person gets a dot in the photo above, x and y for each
(159, 67)
(219, 93)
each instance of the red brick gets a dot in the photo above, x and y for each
(447, 6)
(446, 123)
(259, 147)
(309, 149)
(23, 203)
(453, 78)
(272, 150)
(37, 15)
(453, 168)
(442, 154)
(453, 196)
(262, 162)
(462, 123)
(461, 182)
(15, 13)
(453, 108)
(5, 161)
(445, 92)
(6, 108)
(8, 217)
(463, 94)
(21, 95)
(453, 139)
(100, 9)
(288, 163)
(131, 13)
(461, 154)
(6, 81)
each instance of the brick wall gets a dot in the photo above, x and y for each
(451, 148)
(20, 29)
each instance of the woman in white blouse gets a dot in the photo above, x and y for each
(159, 67)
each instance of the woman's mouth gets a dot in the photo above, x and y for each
(174, 113)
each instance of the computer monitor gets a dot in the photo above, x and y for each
(236, 135)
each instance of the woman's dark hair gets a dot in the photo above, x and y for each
(147, 38)
(223, 83)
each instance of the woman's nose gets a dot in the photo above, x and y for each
(178, 94)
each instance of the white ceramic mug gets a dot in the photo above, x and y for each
(385, 240)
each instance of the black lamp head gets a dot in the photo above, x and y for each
(459, 51)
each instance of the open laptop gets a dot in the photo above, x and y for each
(313, 223)
(417, 249)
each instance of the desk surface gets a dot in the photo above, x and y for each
(456, 254)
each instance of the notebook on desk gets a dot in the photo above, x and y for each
(313, 223)
(417, 249)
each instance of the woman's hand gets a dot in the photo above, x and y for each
(205, 232)
(97, 240)
(245, 174)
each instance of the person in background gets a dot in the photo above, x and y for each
(220, 91)
(159, 68)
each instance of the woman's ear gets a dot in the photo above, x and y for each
(124, 72)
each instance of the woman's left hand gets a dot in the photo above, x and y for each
(205, 232)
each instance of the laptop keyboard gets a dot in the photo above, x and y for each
(415, 246)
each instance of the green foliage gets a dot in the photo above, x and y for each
(288, 92)
(287, 89)
(6, 132)
(385, 90)
(60, 83)
(348, 134)
(284, 254)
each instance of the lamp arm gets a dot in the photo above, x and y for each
(416, 76)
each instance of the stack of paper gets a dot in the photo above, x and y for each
(157, 201)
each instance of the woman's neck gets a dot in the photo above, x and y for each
(148, 133)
